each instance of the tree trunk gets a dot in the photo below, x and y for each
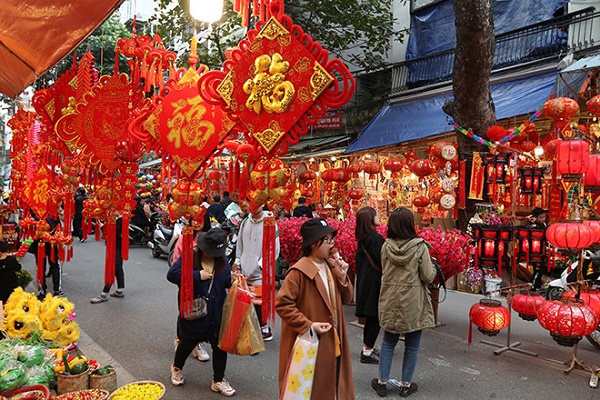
(472, 107)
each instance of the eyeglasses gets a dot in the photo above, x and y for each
(329, 239)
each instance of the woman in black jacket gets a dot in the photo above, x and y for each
(212, 276)
(8, 272)
(368, 279)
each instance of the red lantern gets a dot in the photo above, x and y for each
(560, 108)
(570, 235)
(593, 105)
(394, 165)
(496, 133)
(308, 176)
(594, 226)
(356, 194)
(307, 193)
(341, 175)
(422, 167)
(592, 176)
(372, 168)
(567, 321)
(421, 201)
(527, 305)
(246, 153)
(528, 146)
(589, 297)
(214, 175)
(573, 157)
(328, 175)
(355, 168)
(551, 148)
(489, 316)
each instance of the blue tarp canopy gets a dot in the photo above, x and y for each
(421, 118)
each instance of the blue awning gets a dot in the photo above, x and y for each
(418, 119)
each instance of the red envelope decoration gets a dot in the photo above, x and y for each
(277, 83)
(181, 127)
(99, 122)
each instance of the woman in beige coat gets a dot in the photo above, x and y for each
(305, 301)
(404, 301)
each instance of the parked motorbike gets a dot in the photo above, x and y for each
(164, 239)
(139, 236)
(591, 272)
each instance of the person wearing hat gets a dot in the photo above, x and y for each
(212, 276)
(312, 296)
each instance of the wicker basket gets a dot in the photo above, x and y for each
(72, 383)
(106, 382)
(162, 392)
(95, 394)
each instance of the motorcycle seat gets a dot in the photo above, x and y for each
(165, 231)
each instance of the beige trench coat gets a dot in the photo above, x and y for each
(301, 301)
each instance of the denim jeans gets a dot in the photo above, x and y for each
(412, 342)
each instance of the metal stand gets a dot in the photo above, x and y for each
(509, 345)
(573, 363)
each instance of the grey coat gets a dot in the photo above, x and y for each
(404, 299)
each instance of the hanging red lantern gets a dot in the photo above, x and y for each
(394, 165)
(436, 193)
(307, 193)
(356, 167)
(569, 235)
(356, 194)
(551, 148)
(567, 321)
(373, 168)
(560, 108)
(489, 316)
(327, 175)
(421, 201)
(341, 175)
(594, 226)
(528, 146)
(589, 297)
(422, 167)
(214, 175)
(593, 105)
(496, 133)
(573, 157)
(308, 176)
(592, 176)
(527, 305)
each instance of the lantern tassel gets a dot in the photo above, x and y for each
(186, 287)
(125, 237)
(268, 269)
(111, 244)
(470, 340)
(41, 254)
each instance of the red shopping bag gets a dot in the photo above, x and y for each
(235, 311)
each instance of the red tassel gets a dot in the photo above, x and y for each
(230, 176)
(52, 253)
(268, 269)
(186, 286)
(470, 340)
(41, 254)
(236, 175)
(125, 237)
(244, 183)
(70, 253)
(97, 232)
(61, 252)
(111, 243)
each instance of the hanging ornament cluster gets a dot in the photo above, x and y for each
(269, 181)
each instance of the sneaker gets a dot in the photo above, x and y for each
(266, 334)
(60, 293)
(41, 296)
(222, 387)
(380, 388)
(408, 390)
(370, 359)
(81, 240)
(176, 376)
(200, 353)
(118, 294)
(376, 351)
(99, 299)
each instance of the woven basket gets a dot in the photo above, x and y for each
(72, 383)
(162, 393)
(90, 394)
(106, 382)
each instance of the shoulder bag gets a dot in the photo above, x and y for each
(200, 305)
(370, 259)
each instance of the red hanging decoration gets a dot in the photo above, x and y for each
(570, 235)
(527, 305)
(110, 230)
(567, 321)
(489, 316)
(125, 237)
(268, 269)
(186, 287)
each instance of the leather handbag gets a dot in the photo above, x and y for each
(199, 306)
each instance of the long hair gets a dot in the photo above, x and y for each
(365, 223)
(220, 262)
(401, 224)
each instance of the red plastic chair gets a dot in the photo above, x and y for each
(45, 391)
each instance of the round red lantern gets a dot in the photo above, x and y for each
(569, 235)
(593, 105)
(421, 201)
(355, 168)
(527, 305)
(372, 168)
(214, 175)
(573, 157)
(214, 186)
(328, 175)
(307, 193)
(422, 167)
(436, 193)
(528, 146)
(592, 176)
(356, 194)
(341, 175)
(567, 321)
(489, 316)
(589, 297)
(594, 226)
(308, 176)
(560, 108)
(246, 153)
(496, 133)
(551, 148)
(394, 165)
